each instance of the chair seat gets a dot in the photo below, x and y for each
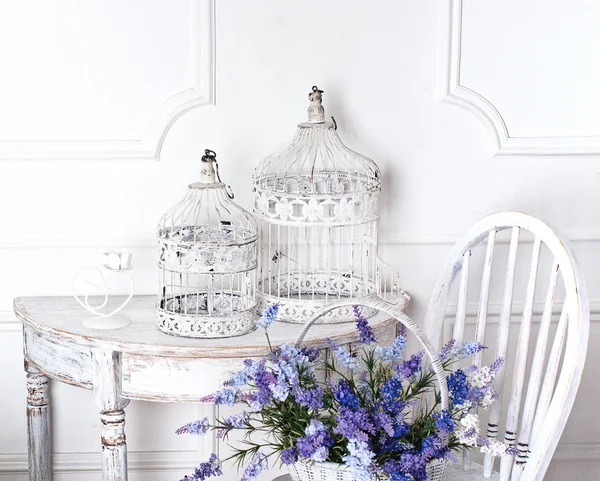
(456, 472)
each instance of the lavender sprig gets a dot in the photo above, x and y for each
(367, 335)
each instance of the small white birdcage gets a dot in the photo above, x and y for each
(317, 203)
(207, 262)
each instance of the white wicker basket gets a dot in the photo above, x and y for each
(303, 471)
(436, 469)
(309, 471)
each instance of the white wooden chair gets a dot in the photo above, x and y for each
(541, 376)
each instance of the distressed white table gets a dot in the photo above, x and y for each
(134, 362)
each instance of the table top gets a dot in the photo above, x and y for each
(62, 317)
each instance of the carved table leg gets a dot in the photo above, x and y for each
(114, 447)
(38, 425)
(106, 373)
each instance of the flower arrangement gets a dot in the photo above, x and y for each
(376, 412)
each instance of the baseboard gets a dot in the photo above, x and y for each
(577, 453)
(185, 460)
(86, 462)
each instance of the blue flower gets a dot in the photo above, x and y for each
(269, 315)
(390, 393)
(457, 385)
(345, 358)
(393, 352)
(280, 389)
(345, 394)
(367, 335)
(199, 427)
(468, 349)
(258, 464)
(289, 456)
(239, 379)
(434, 447)
(360, 460)
(205, 470)
(226, 396)
(443, 422)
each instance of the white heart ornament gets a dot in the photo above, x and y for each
(101, 283)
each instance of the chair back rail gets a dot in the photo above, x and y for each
(542, 386)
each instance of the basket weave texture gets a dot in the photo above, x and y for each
(303, 471)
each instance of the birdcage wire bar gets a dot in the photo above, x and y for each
(207, 264)
(317, 205)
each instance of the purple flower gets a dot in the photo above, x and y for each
(354, 424)
(344, 393)
(496, 365)
(289, 456)
(383, 422)
(367, 335)
(205, 470)
(258, 464)
(236, 420)
(198, 428)
(316, 442)
(412, 366)
(269, 315)
(446, 351)
(332, 344)
(310, 398)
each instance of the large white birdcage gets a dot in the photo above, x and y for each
(317, 205)
(207, 262)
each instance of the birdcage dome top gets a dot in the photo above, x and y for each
(317, 163)
(317, 179)
(207, 214)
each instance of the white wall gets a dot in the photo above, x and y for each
(84, 82)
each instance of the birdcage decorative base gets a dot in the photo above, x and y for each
(313, 471)
(231, 314)
(301, 295)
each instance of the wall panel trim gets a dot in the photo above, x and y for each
(451, 91)
(200, 93)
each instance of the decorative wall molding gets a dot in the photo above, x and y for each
(9, 323)
(450, 90)
(15, 243)
(80, 462)
(148, 147)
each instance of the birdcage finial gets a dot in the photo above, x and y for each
(207, 174)
(316, 112)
